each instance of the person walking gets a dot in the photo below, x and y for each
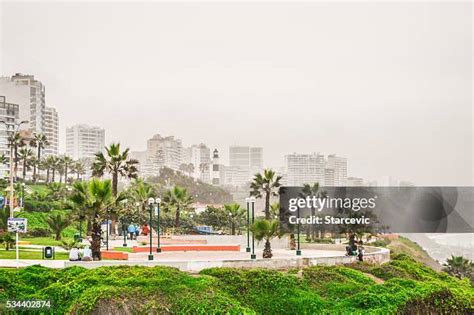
(131, 231)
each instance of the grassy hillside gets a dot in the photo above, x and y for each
(402, 286)
(403, 245)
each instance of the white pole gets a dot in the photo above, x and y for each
(17, 252)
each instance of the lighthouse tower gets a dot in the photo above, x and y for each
(215, 174)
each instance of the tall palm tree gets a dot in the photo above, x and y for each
(47, 164)
(309, 191)
(95, 197)
(79, 168)
(15, 141)
(115, 162)
(236, 215)
(67, 162)
(57, 223)
(266, 230)
(39, 142)
(176, 199)
(55, 166)
(25, 155)
(265, 184)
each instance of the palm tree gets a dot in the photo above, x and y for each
(25, 155)
(309, 191)
(459, 267)
(265, 185)
(79, 168)
(39, 142)
(55, 165)
(116, 163)
(47, 164)
(67, 162)
(3, 159)
(57, 223)
(95, 198)
(15, 141)
(266, 230)
(236, 214)
(176, 199)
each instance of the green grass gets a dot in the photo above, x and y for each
(11, 254)
(123, 249)
(46, 241)
(408, 287)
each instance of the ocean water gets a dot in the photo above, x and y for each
(442, 246)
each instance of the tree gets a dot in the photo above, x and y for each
(116, 163)
(4, 215)
(39, 142)
(265, 184)
(309, 191)
(187, 168)
(80, 169)
(459, 267)
(55, 165)
(176, 199)
(236, 215)
(95, 197)
(266, 230)
(3, 159)
(139, 192)
(57, 223)
(67, 162)
(213, 216)
(15, 141)
(8, 240)
(25, 155)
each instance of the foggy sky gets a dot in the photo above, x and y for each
(388, 85)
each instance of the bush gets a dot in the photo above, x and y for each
(41, 206)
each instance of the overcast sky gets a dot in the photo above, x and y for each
(388, 85)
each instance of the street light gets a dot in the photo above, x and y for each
(298, 250)
(247, 200)
(151, 201)
(15, 130)
(252, 202)
(158, 201)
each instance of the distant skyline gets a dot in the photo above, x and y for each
(387, 85)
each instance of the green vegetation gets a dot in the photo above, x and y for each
(30, 254)
(401, 286)
(403, 245)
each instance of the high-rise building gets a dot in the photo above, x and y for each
(244, 162)
(200, 157)
(83, 141)
(305, 169)
(29, 94)
(161, 152)
(51, 131)
(216, 172)
(9, 113)
(339, 165)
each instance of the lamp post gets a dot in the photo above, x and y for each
(15, 130)
(252, 203)
(158, 247)
(22, 195)
(151, 201)
(247, 200)
(124, 231)
(298, 250)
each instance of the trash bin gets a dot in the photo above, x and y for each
(48, 252)
(77, 237)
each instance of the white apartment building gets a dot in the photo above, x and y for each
(339, 165)
(29, 94)
(200, 157)
(83, 141)
(305, 169)
(355, 182)
(244, 162)
(51, 131)
(9, 113)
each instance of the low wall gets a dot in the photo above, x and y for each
(377, 256)
(277, 243)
